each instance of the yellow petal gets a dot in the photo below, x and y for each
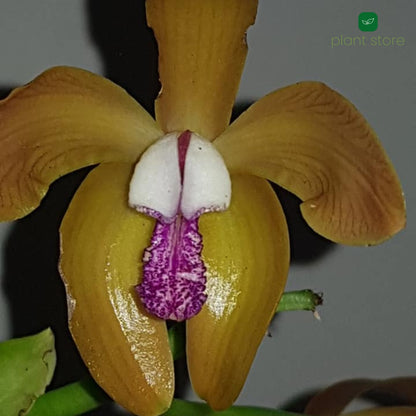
(386, 411)
(246, 252)
(65, 119)
(332, 400)
(102, 242)
(313, 142)
(202, 49)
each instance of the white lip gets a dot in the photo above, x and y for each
(156, 189)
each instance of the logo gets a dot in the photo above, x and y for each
(367, 22)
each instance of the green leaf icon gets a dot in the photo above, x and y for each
(26, 368)
(368, 21)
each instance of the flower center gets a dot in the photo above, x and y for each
(177, 179)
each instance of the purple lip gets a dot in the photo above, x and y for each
(173, 285)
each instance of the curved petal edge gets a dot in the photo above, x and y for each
(65, 119)
(246, 253)
(102, 243)
(313, 142)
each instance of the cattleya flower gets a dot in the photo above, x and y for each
(126, 271)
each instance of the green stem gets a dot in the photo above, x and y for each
(185, 408)
(80, 397)
(299, 300)
(70, 400)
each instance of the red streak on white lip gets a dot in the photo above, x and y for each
(183, 144)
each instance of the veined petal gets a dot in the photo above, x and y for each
(246, 253)
(65, 119)
(202, 50)
(332, 400)
(102, 243)
(313, 142)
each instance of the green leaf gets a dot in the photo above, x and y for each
(26, 368)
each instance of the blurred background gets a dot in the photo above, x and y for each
(368, 319)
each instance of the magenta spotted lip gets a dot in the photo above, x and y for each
(193, 180)
(173, 285)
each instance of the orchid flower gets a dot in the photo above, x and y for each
(143, 239)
